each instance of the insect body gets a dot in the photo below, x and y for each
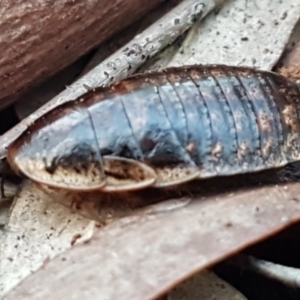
(164, 128)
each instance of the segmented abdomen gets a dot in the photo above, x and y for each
(220, 120)
(225, 120)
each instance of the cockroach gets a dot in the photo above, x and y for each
(164, 128)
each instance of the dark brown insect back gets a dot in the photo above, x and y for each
(164, 128)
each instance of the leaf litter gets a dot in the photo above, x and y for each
(156, 251)
(146, 255)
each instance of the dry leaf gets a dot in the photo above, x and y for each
(36, 231)
(243, 32)
(146, 255)
(248, 33)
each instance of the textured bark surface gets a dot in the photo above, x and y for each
(39, 38)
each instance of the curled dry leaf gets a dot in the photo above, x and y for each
(148, 254)
(37, 230)
(125, 61)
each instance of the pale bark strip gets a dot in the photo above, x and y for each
(125, 61)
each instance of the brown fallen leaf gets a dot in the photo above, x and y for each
(174, 245)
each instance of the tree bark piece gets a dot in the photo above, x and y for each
(39, 37)
(43, 93)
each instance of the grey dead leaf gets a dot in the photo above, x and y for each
(37, 230)
(256, 36)
(248, 33)
(156, 252)
(227, 243)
